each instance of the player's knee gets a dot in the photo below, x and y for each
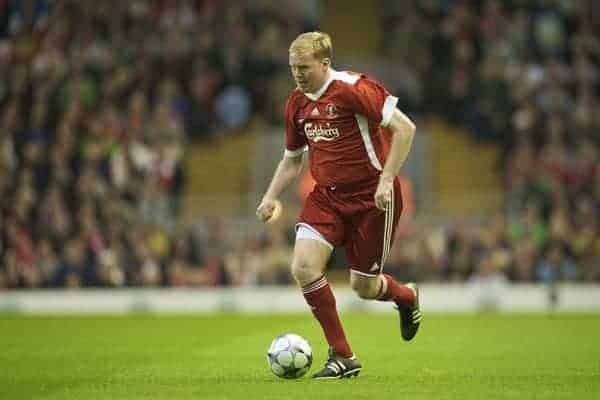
(364, 287)
(305, 272)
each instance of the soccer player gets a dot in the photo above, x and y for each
(357, 141)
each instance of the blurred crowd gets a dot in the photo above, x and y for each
(98, 101)
(524, 74)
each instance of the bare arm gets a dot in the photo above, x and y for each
(287, 171)
(403, 131)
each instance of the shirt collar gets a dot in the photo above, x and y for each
(316, 95)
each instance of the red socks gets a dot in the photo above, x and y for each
(400, 294)
(320, 298)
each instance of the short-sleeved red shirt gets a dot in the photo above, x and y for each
(343, 126)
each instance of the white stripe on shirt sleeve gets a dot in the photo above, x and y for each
(388, 110)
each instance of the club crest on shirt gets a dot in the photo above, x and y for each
(317, 132)
(331, 110)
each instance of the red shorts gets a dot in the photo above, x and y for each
(347, 215)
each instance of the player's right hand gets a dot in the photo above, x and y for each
(266, 209)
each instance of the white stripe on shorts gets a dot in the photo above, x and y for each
(388, 230)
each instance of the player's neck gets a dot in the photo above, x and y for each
(322, 86)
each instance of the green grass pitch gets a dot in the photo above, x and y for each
(222, 356)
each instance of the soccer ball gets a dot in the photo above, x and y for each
(289, 356)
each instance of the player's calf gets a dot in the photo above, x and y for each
(365, 286)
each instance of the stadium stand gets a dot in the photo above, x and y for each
(100, 104)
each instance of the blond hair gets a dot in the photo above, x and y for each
(316, 43)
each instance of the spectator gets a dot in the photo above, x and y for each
(555, 265)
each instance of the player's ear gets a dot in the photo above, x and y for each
(326, 62)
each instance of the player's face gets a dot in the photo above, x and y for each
(308, 72)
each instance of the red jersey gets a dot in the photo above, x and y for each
(343, 127)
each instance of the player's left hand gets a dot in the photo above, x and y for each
(383, 194)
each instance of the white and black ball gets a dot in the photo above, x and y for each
(289, 356)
